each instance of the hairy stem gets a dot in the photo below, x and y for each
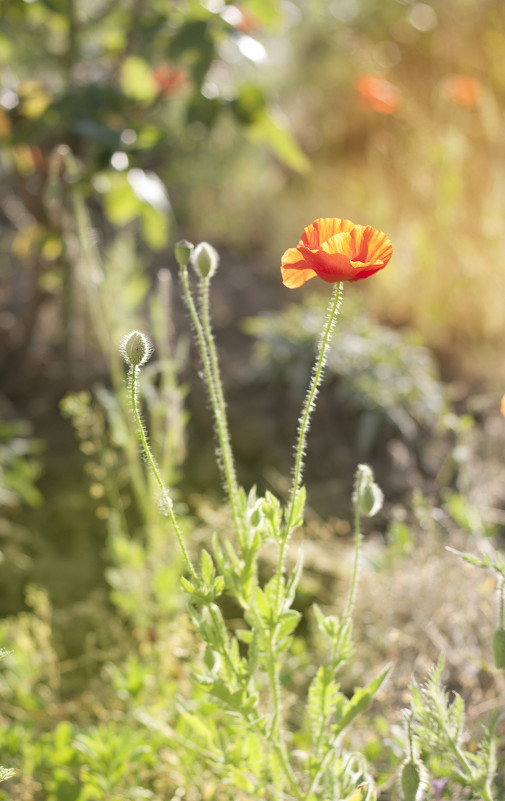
(357, 542)
(220, 409)
(213, 380)
(154, 468)
(304, 422)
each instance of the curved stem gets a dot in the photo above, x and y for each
(152, 464)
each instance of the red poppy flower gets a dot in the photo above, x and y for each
(378, 94)
(503, 406)
(335, 250)
(463, 90)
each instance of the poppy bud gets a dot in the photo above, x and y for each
(499, 648)
(183, 251)
(413, 780)
(135, 348)
(367, 493)
(205, 258)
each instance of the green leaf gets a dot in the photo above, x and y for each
(323, 698)
(121, 204)
(155, 227)
(267, 11)
(263, 607)
(359, 701)
(288, 623)
(194, 46)
(249, 105)
(137, 80)
(187, 586)
(207, 567)
(239, 780)
(280, 142)
(299, 507)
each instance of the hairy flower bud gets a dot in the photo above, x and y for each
(367, 494)
(135, 348)
(205, 258)
(413, 780)
(499, 648)
(183, 251)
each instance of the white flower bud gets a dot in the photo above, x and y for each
(136, 348)
(367, 493)
(205, 259)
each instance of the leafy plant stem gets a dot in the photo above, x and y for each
(304, 423)
(274, 736)
(154, 468)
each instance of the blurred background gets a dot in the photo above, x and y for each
(126, 126)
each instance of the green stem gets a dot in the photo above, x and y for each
(274, 739)
(220, 411)
(357, 541)
(152, 464)
(304, 423)
(211, 370)
(501, 601)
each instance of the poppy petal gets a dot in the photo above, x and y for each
(294, 269)
(335, 250)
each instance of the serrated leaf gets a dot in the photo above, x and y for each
(240, 780)
(262, 605)
(323, 698)
(187, 586)
(288, 623)
(207, 567)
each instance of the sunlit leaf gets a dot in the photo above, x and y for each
(120, 201)
(266, 11)
(280, 142)
(137, 80)
(155, 227)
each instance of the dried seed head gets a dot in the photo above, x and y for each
(205, 259)
(136, 348)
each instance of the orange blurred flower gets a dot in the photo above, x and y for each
(503, 406)
(378, 94)
(335, 250)
(169, 78)
(463, 90)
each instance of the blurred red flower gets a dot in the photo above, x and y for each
(335, 250)
(378, 94)
(503, 406)
(463, 90)
(169, 78)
